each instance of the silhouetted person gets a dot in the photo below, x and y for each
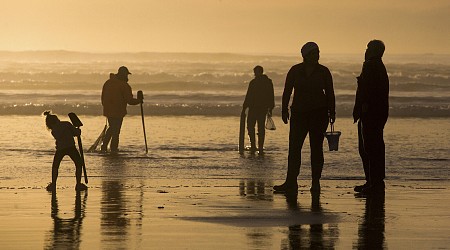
(116, 94)
(260, 101)
(371, 111)
(313, 106)
(63, 132)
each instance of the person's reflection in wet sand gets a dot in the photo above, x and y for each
(66, 231)
(114, 222)
(371, 229)
(317, 237)
(255, 190)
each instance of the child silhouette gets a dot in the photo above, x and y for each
(63, 132)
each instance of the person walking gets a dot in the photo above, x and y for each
(313, 107)
(371, 112)
(116, 94)
(260, 102)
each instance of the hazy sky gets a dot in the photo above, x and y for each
(243, 26)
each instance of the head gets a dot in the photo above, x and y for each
(50, 119)
(310, 53)
(123, 73)
(375, 49)
(258, 70)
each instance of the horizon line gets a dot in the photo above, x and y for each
(206, 52)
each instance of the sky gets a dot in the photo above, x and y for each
(234, 26)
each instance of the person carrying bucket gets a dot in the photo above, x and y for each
(313, 107)
(116, 94)
(260, 101)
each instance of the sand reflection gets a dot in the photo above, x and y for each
(372, 227)
(67, 231)
(314, 235)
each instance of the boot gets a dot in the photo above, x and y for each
(261, 144)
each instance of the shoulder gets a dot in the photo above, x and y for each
(323, 68)
(297, 67)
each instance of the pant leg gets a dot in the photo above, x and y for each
(251, 122)
(362, 152)
(59, 155)
(297, 134)
(261, 120)
(76, 158)
(317, 126)
(375, 149)
(115, 125)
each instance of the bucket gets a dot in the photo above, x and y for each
(333, 139)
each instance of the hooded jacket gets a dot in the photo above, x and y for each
(116, 94)
(260, 93)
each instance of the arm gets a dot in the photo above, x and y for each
(272, 97)
(288, 87)
(246, 103)
(128, 95)
(331, 100)
(74, 131)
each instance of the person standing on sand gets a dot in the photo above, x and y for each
(63, 132)
(260, 101)
(371, 111)
(313, 106)
(116, 94)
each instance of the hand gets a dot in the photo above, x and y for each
(285, 115)
(332, 118)
(269, 113)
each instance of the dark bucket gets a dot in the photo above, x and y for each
(333, 140)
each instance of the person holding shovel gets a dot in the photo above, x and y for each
(63, 132)
(313, 106)
(116, 94)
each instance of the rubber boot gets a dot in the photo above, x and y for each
(261, 144)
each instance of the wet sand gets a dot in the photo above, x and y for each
(223, 214)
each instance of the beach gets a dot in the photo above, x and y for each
(220, 214)
(194, 191)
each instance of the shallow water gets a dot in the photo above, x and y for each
(193, 190)
(206, 148)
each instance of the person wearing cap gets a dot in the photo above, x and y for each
(116, 95)
(260, 101)
(371, 111)
(312, 108)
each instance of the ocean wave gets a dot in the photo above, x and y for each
(196, 109)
